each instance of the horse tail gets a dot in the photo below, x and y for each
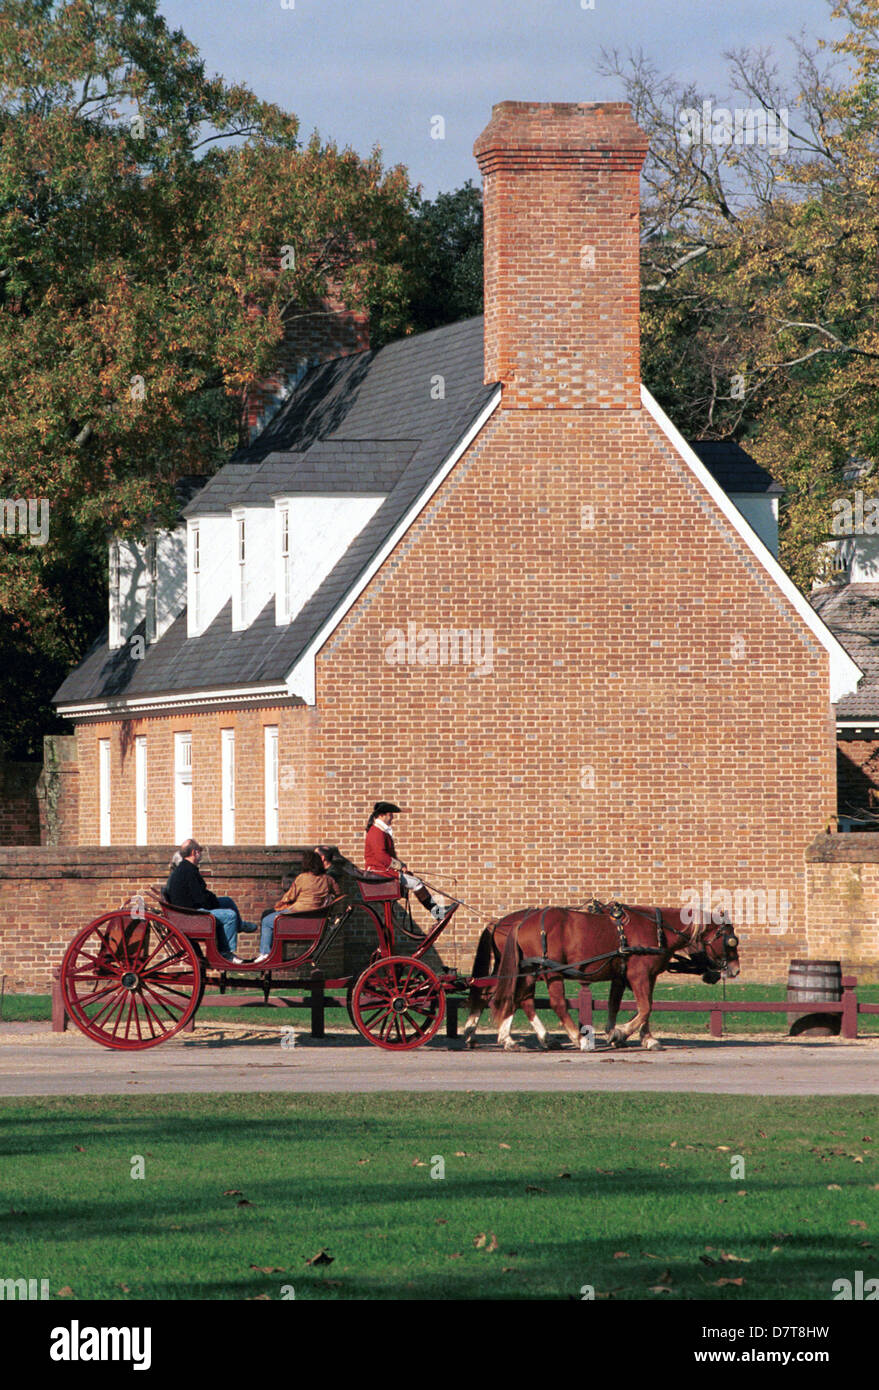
(483, 966)
(504, 998)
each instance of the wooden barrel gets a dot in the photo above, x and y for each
(809, 984)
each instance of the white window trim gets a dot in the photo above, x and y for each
(239, 582)
(194, 579)
(105, 772)
(182, 777)
(272, 781)
(115, 596)
(152, 580)
(141, 791)
(227, 780)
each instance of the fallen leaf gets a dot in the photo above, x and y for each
(460, 1153)
(621, 1254)
(718, 1283)
(441, 1221)
(833, 1187)
(742, 1192)
(418, 1163)
(124, 1288)
(321, 1258)
(608, 1172)
(761, 1134)
(673, 1144)
(508, 1269)
(492, 1244)
(861, 1225)
(775, 1249)
(838, 1131)
(866, 1139)
(666, 1278)
(233, 1192)
(269, 1269)
(734, 1259)
(856, 1158)
(663, 1165)
(723, 1148)
(479, 1241)
(659, 1288)
(456, 1256)
(531, 1188)
(503, 1146)
(66, 1292)
(563, 1174)
(79, 1148)
(361, 1161)
(259, 1298)
(865, 1245)
(647, 1255)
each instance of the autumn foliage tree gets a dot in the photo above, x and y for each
(760, 262)
(144, 206)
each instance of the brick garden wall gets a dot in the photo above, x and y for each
(19, 808)
(48, 894)
(842, 875)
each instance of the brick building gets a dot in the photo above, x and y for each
(480, 573)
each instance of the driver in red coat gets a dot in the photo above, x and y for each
(380, 857)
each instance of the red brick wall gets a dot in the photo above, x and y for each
(843, 886)
(19, 809)
(657, 716)
(49, 894)
(295, 724)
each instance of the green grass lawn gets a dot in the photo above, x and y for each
(22, 1007)
(630, 1194)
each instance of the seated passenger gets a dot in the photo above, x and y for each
(186, 888)
(311, 890)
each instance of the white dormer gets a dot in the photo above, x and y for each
(253, 569)
(147, 585)
(312, 533)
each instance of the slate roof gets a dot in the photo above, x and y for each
(733, 469)
(851, 611)
(360, 424)
(364, 423)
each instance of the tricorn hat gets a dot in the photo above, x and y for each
(381, 808)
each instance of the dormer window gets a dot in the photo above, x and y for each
(239, 589)
(195, 577)
(152, 566)
(115, 597)
(285, 564)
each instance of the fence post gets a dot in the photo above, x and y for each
(715, 1021)
(316, 986)
(584, 1005)
(59, 1014)
(849, 1006)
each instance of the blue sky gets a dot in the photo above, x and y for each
(369, 72)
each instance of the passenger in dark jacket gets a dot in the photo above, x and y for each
(186, 888)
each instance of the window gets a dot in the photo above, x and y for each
(195, 594)
(182, 787)
(227, 775)
(242, 574)
(104, 790)
(140, 791)
(285, 563)
(115, 617)
(152, 587)
(271, 783)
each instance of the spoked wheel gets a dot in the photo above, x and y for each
(398, 1003)
(131, 982)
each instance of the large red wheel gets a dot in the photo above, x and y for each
(131, 982)
(398, 1003)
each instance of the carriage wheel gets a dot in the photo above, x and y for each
(131, 982)
(398, 1003)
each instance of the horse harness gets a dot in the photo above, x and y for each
(542, 964)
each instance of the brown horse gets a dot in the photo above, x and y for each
(626, 945)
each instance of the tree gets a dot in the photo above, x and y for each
(446, 259)
(156, 225)
(759, 264)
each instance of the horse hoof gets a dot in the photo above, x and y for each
(653, 1045)
(551, 1044)
(510, 1046)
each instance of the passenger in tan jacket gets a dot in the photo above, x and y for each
(310, 891)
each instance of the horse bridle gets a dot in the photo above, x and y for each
(702, 940)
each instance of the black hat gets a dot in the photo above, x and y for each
(381, 808)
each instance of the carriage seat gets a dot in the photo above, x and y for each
(199, 926)
(304, 926)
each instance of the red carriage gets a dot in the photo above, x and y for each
(135, 977)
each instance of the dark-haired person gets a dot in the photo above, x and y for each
(380, 856)
(186, 888)
(311, 890)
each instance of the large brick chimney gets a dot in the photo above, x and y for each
(561, 253)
